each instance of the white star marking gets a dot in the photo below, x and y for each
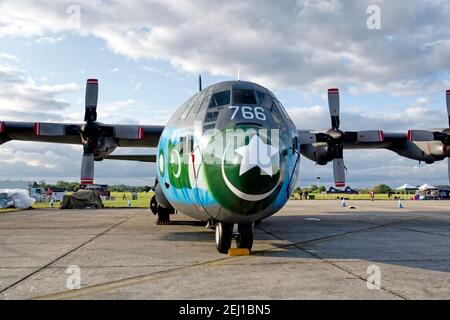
(257, 154)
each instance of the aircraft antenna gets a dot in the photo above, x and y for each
(199, 82)
(238, 74)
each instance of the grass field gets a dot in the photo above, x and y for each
(319, 196)
(143, 201)
(8, 210)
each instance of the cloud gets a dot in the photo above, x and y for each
(306, 45)
(21, 97)
(138, 86)
(299, 44)
(417, 116)
(32, 161)
(8, 57)
(49, 40)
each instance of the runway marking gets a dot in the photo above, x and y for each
(126, 282)
(117, 284)
(67, 253)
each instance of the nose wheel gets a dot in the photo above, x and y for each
(224, 236)
(245, 237)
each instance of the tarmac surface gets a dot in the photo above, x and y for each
(309, 250)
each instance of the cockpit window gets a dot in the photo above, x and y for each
(278, 107)
(220, 99)
(241, 96)
(187, 108)
(264, 99)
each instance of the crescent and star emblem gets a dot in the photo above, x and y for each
(176, 154)
(255, 154)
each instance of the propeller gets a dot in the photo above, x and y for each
(94, 133)
(336, 139)
(98, 139)
(90, 132)
(335, 143)
(442, 136)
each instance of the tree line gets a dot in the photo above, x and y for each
(75, 186)
(380, 189)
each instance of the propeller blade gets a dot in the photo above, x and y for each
(91, 99)
(87, 169)
(333, 104)
(339, 172)
(420, 135)
(448, 106)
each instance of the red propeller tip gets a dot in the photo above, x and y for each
(87, 181)
(409, 135)
(333, 90)
(448, 92)
(92, 81)
(2, 126)
(340, 184)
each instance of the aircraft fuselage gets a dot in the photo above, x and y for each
(230, 153)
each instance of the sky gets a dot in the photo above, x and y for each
(391, 63)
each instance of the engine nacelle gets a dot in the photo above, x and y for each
(427, 151)
(317, 153)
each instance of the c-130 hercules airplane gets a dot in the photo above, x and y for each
(229, 155)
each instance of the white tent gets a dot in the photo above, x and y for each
(426, 186)
(406, 187)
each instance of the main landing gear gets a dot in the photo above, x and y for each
(224, 236)
(163, 213)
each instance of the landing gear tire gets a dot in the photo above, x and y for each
(245, 238)
(154, 205)
(224, 236)
(163, 216)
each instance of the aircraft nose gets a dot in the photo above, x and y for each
(247, 168)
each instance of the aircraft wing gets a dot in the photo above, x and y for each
(133, 157)
(120, 135)
(98, 139)
(323, 146)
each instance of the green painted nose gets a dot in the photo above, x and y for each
(245, 168)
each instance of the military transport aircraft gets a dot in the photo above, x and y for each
(229, 155)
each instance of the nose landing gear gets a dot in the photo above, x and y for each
(224, 236)
(245, 237)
